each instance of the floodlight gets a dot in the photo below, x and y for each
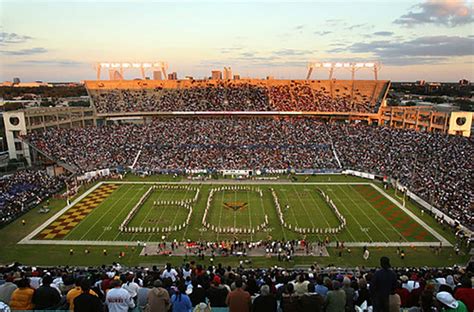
(104, 65)
(327, 65)
(136, 65)
(359, 65)
(346, 65)
(125, 65)
(115, 65)
(146, 65)
(369, 64)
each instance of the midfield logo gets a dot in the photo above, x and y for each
(237, 205)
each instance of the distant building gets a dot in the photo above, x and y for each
(236, 77)
(32, 84)
(270, 78)
(216, 75)
(429, 87)
(173, 76)
(227, 73)
(420, 82)
(6, 84)
(16, 80)
(463, 82)
(157, 75)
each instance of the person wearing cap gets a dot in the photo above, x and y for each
(449, 304)
(382, 285)
(238, 300)
(158, 298)
(336, 299)
(86, 302)
(217, 294)
(7, 289)
(118, 299)
(46, 297)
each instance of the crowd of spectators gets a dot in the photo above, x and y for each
(23, 190)
(437, 167)
(193, 143)
(193, 286)
(294, 96)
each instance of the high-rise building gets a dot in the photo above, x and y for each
(157, 75)
(216, 74)
(236, 77)
(16, 80)
(173, 76)
(227, 73)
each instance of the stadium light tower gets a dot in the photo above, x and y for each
(352, 66)
(116, 69)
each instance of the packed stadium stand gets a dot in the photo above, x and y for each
(239, 95)
(437, 167)
(194, 287)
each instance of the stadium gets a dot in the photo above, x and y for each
(250, 173)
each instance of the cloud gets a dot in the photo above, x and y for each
(247, 54)
(291, 52)
(383, 33)
(322, 33)
(422, 50)
(30, 51)
(356, 26)
(231, 49)
(448, 13)
(6, 37)
(51, 62)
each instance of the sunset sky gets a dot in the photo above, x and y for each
(61, 40)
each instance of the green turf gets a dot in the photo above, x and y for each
(366, 221)
(370, 216)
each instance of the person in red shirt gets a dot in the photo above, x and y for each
(465, 293)
(238, 300)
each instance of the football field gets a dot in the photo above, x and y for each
(121, 213)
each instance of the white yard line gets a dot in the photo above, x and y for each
(363, 212)
(118, 214)
(304, 207)
(380, 214)
(250, 216)
(335, 198)
(220, 211)
(330, 210)
(106, 212)
(438, 236)
(285, 212)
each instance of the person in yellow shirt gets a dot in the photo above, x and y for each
(22, 298)
(75, 292)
